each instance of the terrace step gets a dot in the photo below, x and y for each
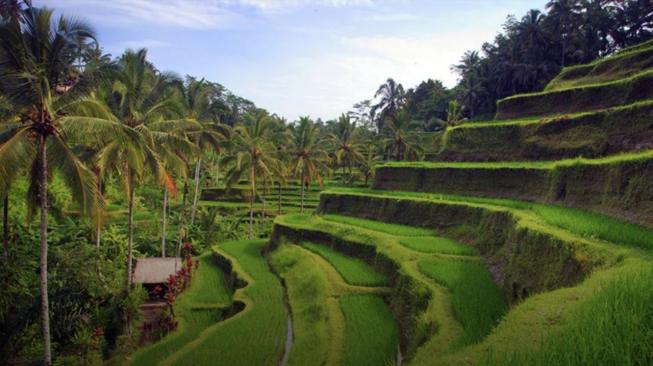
(616, 130)
(624, 63)
(578, 99)
(318, 296)
(490, 226)
(620, 186)
(255, 335)
(389, 254)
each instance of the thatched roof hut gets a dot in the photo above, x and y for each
(155, 270)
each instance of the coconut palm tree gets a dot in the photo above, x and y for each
(346, 145)
(400, 137)
(195, 96)
(254, 154)
(38, 77)
(143, 100)
(367, 165)
(309, 158)
(566, 16)
(454, 115)
(392, 96)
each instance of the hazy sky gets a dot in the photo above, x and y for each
(299, 57)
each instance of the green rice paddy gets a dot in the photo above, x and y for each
(477, 302)
(256, 335)
(353, 271)
(371, 334)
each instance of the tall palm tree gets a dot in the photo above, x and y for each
(566, 14)
(392, 96)
(309, 157)
(471, 85)
(347, 148)
(38, 76)
(142, 99)
(454, 117)
(400, 137)
(254, 154)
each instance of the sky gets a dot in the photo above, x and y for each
(299, 57)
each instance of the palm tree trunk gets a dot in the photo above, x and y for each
(302, 200)
(130, 236)
(5, 226)
(198, 168)
(98, 229)
(164, 222)
(251, 204)
(43, 274)
(279, 210)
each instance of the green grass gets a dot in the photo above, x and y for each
(371, 335)
(477, 302)
(257, 335)
(580, 222)
(307, 288)
(611, 328)
(207, 288)
(548, 165)
(354, 271)
(434, 244)
(393, 229)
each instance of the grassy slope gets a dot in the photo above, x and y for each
(544, 316)
(256, 335)
(582, 223)
(612, 328)
(625, 63)
(207, 290)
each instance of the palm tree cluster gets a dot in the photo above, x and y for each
(70, 113)
(532, 50)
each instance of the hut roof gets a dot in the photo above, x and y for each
(155, 270)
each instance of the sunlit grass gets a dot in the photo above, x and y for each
(393, 229)
(354, 271)
(432, 244)
(257, 335)
(612, 328)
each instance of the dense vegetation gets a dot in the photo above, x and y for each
(534, 225)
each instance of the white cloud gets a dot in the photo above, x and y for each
(180, 13)
(284, 4)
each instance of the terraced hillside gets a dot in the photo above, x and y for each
(524, 230)
(509, 249)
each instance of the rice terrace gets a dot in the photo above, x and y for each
(224, 182)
